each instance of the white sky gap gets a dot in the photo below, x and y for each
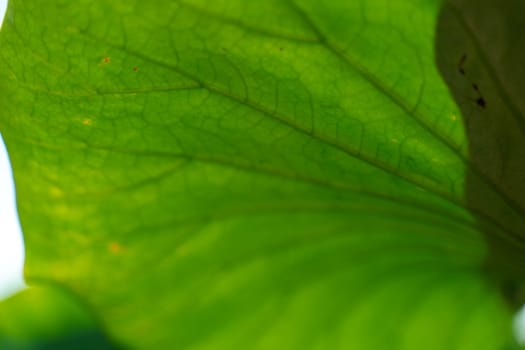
(11, 240)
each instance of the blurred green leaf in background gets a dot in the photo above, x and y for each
(270, 174)
(48, 318)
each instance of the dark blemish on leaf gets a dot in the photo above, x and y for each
(281, 48)
(481, 102)
(106, 60)
(135, 69)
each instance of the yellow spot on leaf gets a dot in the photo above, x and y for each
(86, 121)
(55, 192)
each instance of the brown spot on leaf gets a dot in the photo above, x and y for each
(115, 248)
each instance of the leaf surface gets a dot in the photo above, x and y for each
(48, 317)
(263, 175)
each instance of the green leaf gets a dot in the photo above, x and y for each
(269, 174)
(47, 317)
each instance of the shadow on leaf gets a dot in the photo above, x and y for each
(480, 53)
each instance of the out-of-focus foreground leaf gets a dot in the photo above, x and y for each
(257, 174)
(48, 318)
